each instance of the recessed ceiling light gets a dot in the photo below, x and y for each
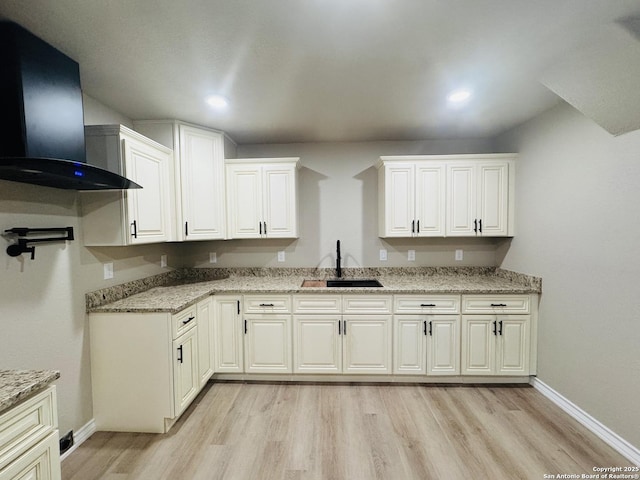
(459, 96)
(218, 102)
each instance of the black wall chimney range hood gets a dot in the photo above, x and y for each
(41, 117)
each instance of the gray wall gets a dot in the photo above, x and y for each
(577, 197)
(338, 199)
(43, 311)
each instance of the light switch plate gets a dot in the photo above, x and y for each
(459, 255)
(163, 261)
(411, 255)
(281, 256)
(108, 270)
(383, 255)
(213, 258)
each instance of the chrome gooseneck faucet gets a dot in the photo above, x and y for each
(338, 258)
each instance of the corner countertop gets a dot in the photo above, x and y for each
(16, 385)
(174, 298)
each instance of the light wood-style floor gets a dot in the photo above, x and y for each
(331, 432)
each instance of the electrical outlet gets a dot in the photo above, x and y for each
(459, 255)
(213, 258)
(108, 270)
(163, 261)
(411, 255)
(383, 255)
(281, 256)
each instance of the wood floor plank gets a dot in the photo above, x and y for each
(236, 431)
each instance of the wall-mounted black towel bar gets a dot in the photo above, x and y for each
(22, 245)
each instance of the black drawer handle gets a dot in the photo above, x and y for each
(180, 354)
(427, 304)
(495, 327)
(498, 304)
(184, 322)
(267, 305)
(500, 327)
(431, 329)
(424, 328)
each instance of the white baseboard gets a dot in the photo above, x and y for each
(80, 436)
(605, 433)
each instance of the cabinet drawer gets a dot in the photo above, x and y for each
(26, 424)
(267, 304)
(183, 321)
(361, 304)
(495, 304)
(317, 304)
(441, 304)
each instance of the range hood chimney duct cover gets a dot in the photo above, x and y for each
(41, 117)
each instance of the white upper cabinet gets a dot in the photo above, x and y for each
(262, 198)
(479, 199)
(199, 177)
(128, 217)
(411, 197)
(446, 195)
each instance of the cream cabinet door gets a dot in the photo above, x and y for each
(410, 343)
(244, 200)
(228, 334)
(397, 197)
(267, 343)
(186, 381)
(513, 345)
(279, 206)
(493, 199)
(317, 343)
(41, 462)
(367, 344)
(201, 164)
(430, 187)
(147, 208)
(443, 344)
(206, 340)
(461, 200)
(478, 345)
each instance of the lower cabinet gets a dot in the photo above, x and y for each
(228, 331)
(328, 341)
(426, 344)
(145, 367)
(495, 344)
(206, 340)
(29, 439)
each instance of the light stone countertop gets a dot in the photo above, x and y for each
(173, 299)
(16, 385)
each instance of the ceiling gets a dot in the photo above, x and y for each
(330, 70)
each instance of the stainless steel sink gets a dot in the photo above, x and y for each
(353, 283)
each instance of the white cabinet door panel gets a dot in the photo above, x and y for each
(186, 382)
(410, 341)
(367, 344)
(430, 200)
(493, 199)
(461, 200)
(268, 344)
(279, 202)
(443, 345)
(513, 345)
(317, 346)
(244, 195)
(478, 345)
(228, 335)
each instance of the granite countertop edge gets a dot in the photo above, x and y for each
(175, 298)
(18, 385)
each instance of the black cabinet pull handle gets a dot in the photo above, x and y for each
(431, 329)
(180, 354)
(339, 327)
(500, 327)
(245, 327)
(413, 226)
(495, 332)
(427, 304)
(184, 322)
(475, 226)
(498, 304)
(265, 227)
(260, 228)
(424, 327)
(418, 226)
(186, 229)
(344, 329)
(135, 229)
(267, 305)
(238, 307)
(480, 225)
